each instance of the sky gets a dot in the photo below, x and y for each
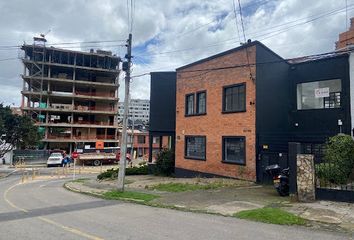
(167, 34)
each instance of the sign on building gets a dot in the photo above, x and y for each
(321, 92)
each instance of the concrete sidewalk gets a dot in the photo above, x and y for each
(236, 196)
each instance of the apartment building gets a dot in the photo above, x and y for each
(138, 144)
(72, 95)
(139, 110)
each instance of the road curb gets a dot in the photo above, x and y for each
(7, 175)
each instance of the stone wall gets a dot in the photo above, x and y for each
(305, 177)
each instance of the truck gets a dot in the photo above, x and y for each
(96, 157)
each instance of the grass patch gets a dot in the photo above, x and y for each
(182, 187)
(127, 195)
(271, 215)
(113, 173)
(80, 180)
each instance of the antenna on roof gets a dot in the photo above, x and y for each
(45, 34)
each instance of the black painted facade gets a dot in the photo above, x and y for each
(278, 120)
(162, 107)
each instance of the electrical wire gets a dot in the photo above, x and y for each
(236, 22)
(8, 59)
(206, 70)
(244, 38)
(265, 36)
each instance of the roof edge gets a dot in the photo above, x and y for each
(254, 43)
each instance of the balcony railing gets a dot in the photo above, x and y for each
(79, 122)
(95, 94)
(82, 137)
(95, 108)
(94, 123)
(105, 137)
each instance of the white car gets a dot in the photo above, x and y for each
(55, 159)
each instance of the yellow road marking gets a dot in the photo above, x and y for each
(66, 228)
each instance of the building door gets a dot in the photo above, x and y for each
(269, 158)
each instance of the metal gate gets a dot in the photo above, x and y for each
(333, 181)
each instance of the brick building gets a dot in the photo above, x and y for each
(346, 38)
(216, 116)
(138, 143)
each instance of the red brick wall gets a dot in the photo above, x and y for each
(346, 38)
(214, 124)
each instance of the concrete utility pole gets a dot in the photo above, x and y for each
(123, 145)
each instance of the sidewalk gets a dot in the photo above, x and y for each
(235, 196)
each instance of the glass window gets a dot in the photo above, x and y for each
(201, 102)
(156, 140)
(318, 95)
(195, 147)
(141, 139)
(190, 104)
(234, 150)
(234, 98)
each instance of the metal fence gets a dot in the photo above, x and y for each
(334, 178)
(30, 156)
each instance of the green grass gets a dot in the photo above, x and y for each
(182, 187)
(127, 195)
(80, 180)
(271, 215)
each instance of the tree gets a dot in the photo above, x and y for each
(16, 131)
(339, 160)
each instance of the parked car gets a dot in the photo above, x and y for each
(55, 159)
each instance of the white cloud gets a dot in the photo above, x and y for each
(166, 26)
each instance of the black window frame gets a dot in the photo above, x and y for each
(197, 103)
(224, 138)
(331, 100)
(185, 147)
(224, 98)
(186, 104)
(141, 137)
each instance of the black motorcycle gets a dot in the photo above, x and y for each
(280, 178)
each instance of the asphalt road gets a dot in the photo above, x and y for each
(44, 210)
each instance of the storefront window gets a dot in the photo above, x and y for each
(319, 95)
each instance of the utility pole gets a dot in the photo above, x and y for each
(123, 145)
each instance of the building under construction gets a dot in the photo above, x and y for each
(72, 95)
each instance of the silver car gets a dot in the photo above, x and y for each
(55, 159)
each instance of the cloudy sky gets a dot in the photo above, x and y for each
(166, 33)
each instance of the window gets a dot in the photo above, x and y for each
(190, 104)
(156, 140)
(195, 147)
(234, 98)
(319, 95)
(201, 102)
(141, 139)
(233, 150)
(197, 107)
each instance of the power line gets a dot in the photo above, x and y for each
(244, 37)
(8, 59)
(279, 31)
(269, 62)
(72, 47)
(273, 33)
(236, 22)
(67, 43)
(327, 54)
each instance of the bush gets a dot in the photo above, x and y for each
(143, 170)
(109, 174)
(339, 160)
(113, 173)
(165, 162)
